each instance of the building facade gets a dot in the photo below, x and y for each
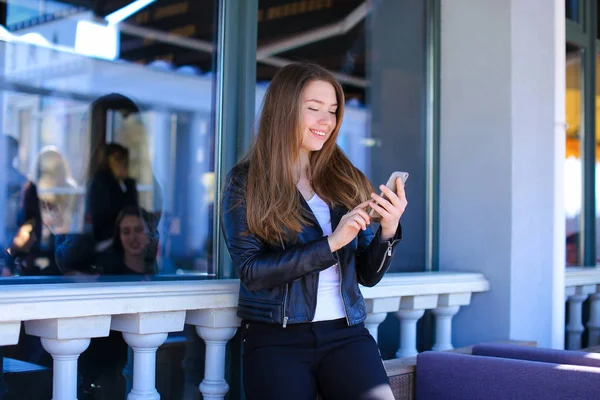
(488, 104)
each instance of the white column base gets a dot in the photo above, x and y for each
(443, 327)
(65, 353)
(373, 321)
(408, 332)
(144, 348)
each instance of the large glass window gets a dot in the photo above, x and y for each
(573, 167)
(377, 51)
(105, 111)
(106, 167)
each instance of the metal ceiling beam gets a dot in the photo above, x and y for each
(339, 28)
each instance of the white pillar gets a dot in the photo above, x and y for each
(65, 339)
(501, 202)
(594, 321)
(214, 385)
(144, 364)
(373, 321)
(216, 327)
(144, 333)
(408, 332)
(575, 325)
(64, 354)
(443, 327)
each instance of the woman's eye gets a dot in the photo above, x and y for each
(332, 112)
(313, 109)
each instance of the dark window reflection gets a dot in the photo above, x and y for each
(106, 169)
(572, 9)
(376, 49)
(96, 119)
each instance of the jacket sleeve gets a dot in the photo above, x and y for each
(259, 267)
(374, 255)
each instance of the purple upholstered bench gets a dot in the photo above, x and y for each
(451, 376)
(568, 357)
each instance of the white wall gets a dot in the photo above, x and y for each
(501, 208)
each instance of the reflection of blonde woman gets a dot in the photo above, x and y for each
(56, 190)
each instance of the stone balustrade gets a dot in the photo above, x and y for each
(582, 284)
(67, 316)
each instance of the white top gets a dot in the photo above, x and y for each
(329, 297)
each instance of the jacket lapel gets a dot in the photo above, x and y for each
(336, 215)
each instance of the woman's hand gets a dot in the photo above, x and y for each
(349, 226)
(390, 209)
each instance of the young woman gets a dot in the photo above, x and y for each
(294, 216)
(135, 243)
(111, 189)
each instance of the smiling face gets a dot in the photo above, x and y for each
(317, 115)
(134, 237)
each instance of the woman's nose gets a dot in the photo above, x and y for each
(326, 119)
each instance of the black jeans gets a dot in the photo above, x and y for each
(293, 363)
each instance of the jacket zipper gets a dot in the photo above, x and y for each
(285, 317)
(387, 254)
(341, 294)
(285, 296)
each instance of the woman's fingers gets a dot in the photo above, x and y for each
(360, 220)
(384, 203)
(400, 189)
(381, 211)
(393, 198)
(362, 205)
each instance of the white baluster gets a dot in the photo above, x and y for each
(65, 339)
(575, 325)
(144, 333)
(216, 327)
(144, 364)
(408, 332)
(214, 385)
(377, 310)
(594, 321)
(411, 310)
(65, 354)
(443, 327)
(373, 321)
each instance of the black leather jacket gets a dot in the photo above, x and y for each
(279, 283)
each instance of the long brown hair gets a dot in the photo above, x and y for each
(273, 203)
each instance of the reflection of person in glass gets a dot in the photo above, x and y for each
(295, 224)
(18, 236)
(572, 250)
(56, 190)
(50, 200)
(111, 190)
(135, 244)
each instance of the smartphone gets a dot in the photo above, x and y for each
(391, 184)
